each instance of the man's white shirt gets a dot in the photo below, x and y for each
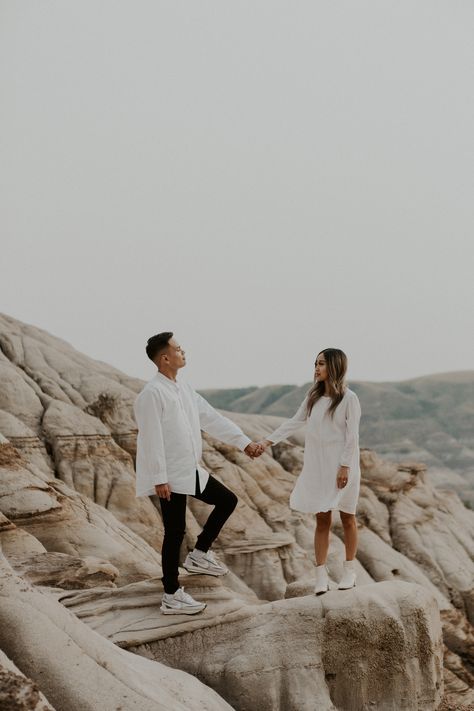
(170, 416)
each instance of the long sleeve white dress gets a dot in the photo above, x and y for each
(329, 443)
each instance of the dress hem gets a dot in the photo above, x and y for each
(333, 508)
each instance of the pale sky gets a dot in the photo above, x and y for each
(264, 178)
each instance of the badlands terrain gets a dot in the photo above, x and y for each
(428, 419)
(80, 627)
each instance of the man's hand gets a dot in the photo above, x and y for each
(254, 450)
(163, 491)
(342, 477)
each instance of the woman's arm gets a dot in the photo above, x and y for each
(351, 439)
(292, 425)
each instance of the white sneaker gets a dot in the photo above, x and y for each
(180, 604)
(322, 580)
(199, 562)
(348, 579)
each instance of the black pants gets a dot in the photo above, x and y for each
(174, 522)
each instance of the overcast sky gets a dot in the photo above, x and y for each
(264, 178)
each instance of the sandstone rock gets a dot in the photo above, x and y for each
(29, 445)
(64, 571)
(72, 428)
(458, 635)
(66, 522)
(55, 370)
(458, 681)
(16, 541)
(436, 530)
(17, 693)
(385, 563)
(77, 668)
(379, 646)
(17, 398)
(130, 615)
(88, 460)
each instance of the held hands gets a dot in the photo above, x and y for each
(256, 449)
(342, 477)
(253, 450)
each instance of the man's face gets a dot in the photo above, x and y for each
(174, 356)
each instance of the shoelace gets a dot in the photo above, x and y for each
(211, 558)
(185, 597)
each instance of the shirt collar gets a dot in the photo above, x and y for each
(163, 379)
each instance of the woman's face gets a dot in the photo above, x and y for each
(320, 371)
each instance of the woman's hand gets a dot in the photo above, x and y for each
(254, 450)
(342, 477)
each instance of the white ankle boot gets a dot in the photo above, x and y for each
(348, 579)
(322, 580)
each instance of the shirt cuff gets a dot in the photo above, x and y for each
(243, 442)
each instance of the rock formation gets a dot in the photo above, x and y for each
(17, 693)
(70, 525)
(80, 669)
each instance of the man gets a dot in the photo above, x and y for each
(170, 416)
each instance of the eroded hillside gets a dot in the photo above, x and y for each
(81, 566)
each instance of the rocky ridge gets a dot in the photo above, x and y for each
(71, 527)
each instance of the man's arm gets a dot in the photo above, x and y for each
(150, 445)
(224, 429)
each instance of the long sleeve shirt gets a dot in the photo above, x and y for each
(170, 416)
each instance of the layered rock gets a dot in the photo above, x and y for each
(378, 646)
(80, 669)
(64, 521)
(87, 459)
(59, 570)
(70, 523)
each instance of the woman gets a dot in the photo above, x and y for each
(330, 477)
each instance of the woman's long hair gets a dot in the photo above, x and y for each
(336, 366)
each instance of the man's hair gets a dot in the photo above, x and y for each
(157, 343)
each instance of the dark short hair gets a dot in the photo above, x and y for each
(157, 343)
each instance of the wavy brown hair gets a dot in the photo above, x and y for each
(336, 366)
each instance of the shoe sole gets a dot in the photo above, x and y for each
(321, 592)
(204, 571)
(349, 588)
(181, 612)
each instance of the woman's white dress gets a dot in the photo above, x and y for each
(329, 443)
